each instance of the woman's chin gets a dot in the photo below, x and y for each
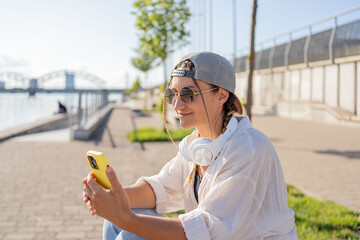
(186, 124)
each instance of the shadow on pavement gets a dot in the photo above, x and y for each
(102, 129)
(135, 128)
(140, 113)
(347, 154)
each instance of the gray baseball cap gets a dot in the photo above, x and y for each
(211, 68)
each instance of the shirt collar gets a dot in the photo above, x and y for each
(244, 124)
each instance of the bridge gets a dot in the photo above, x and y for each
(20, 83)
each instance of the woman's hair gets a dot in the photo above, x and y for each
(229, 109)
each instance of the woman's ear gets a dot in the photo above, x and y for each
(223, 95)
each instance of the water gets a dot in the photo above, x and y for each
(18, 108)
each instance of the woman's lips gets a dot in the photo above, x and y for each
(182, 115)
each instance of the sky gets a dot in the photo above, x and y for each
(99, 37)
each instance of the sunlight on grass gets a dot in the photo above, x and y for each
(317, 219)
(150, 134)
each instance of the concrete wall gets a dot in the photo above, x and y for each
(358, 88)
(305, 84)
(317, 87)
(334, 85)
(331, 85)
(54, 122)
(286, 90)
(294, 85)
(347, 86)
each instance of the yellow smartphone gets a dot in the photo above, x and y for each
(98, 164)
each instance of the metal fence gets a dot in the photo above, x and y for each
(336, 42)
(347, 40)
(90, 103)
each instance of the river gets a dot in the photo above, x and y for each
(19, 108)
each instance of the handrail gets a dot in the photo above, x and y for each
(309, 26)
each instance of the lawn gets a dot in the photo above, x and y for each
(317, 219)
(151, 134)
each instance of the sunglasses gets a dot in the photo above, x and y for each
(187, 95)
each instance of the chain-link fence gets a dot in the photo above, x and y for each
(240, 64)
(347, 40)
(336, 42)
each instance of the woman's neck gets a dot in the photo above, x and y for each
(216, 129)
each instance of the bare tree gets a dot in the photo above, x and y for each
(251, 59)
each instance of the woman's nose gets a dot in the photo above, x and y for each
(178, 104)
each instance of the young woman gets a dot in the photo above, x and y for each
(226, 174)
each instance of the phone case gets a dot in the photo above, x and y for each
(98, 163)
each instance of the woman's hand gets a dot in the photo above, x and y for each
(111, 204)
(86, 199)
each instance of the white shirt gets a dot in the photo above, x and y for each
(242, 194)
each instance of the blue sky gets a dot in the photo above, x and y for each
(40, 36)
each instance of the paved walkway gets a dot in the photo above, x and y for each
(322, 160)
(41, 190)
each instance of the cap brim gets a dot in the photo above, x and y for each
(238, 105)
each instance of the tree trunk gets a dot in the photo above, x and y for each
(146, 95)
(251, 59)
(165, 85)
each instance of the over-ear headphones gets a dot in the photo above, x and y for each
(203, 151)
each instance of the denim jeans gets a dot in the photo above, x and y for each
(111, 232)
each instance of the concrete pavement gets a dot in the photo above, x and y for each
(322, 160)
(41, 190)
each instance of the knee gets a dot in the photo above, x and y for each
(107, 225)
(147, 211)
(110, 231)
(124, 235)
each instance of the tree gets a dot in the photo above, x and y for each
(144, 63)
(251, 59)
(161, 24)
(135, 86)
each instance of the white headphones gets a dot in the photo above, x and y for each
(203, 151)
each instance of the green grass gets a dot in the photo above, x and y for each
(175, 214)
(318, 220)
(150, 134)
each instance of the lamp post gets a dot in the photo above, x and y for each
(234, 29)
(210, 25)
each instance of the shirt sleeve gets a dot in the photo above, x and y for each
(230, 205)
(168, 186)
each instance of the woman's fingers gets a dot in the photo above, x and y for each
(102, 202)
(88, 192)
(85, 197)
(93, 185)
(114, 181)
(89, 205)
(91, 208)
(84, 181)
